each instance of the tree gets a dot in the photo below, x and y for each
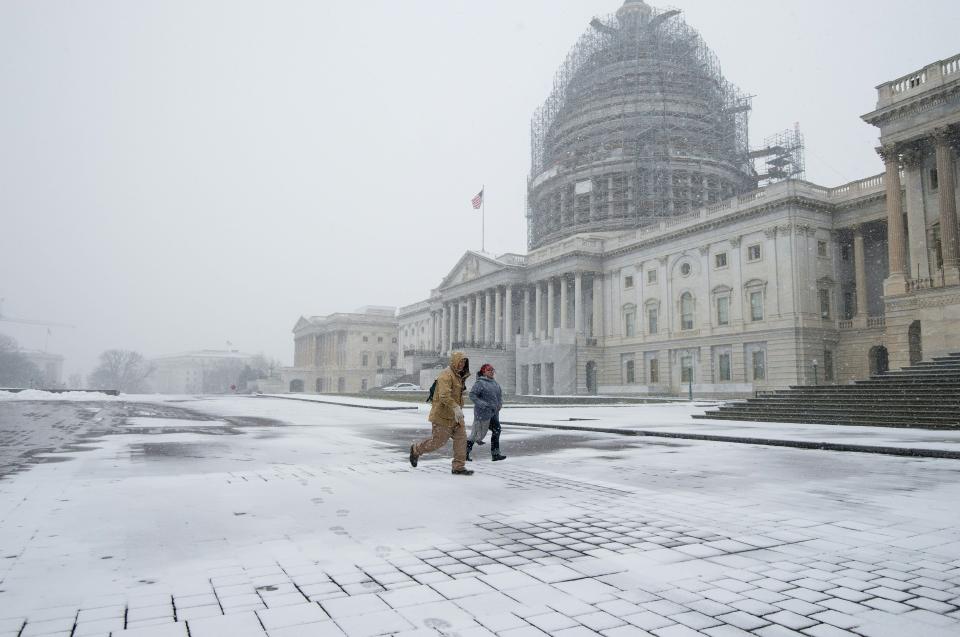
(16, 370)
(121, 369)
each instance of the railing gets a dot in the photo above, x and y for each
(513, 259)
(421, 352)
(932, 74)
(856, 187)
(845, 325)
(876, 321)
(479, 345)
(926, 283)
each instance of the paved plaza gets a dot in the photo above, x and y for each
(238, 516)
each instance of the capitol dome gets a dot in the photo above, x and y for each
(640, 125)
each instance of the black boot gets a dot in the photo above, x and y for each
(469, 449)
(413, 457)
(495, 455)
(462, 472)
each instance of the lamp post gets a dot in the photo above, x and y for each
(815, 372)
(690, 384)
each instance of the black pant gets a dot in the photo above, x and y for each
(494, 437)
(495, 434)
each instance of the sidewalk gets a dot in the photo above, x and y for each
(283, 518)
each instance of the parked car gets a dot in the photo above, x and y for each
(403, 387)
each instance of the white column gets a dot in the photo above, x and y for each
(488, 318)
(538, 310)
(525, 319)
(477, 316)
(597, 305)
(508, 316)
(462, 323)
(550, 307)
(578, 302)
(563, 302)
(445, 328)
(498, 316)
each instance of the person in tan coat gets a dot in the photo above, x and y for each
(446, 415)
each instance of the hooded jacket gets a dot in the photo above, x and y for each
(449, 392)
(487, 398)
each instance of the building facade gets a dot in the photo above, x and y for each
(200, 372)
(344, 352)
(660, 262)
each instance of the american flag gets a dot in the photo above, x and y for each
(478, 200)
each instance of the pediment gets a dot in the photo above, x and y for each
(302, 324)
(472, 265)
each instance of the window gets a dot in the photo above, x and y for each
(651, 276)
(756, 306)
(685, 269)
(654, 371)
(652, 320)
(363, 385)
(720, 260)
(686, 311)
(379, 360)
(365, 339)
(753, 253)
(848, 305)
(845, 252)
(723, 310)
(365, 360)
(686, 368)
(827, 365)
(628, 282)
(380, 338)
(630, 319)
(824, 303)
(821, 248)
(934, 179)
(394, 339)
(631, 372)
(759, 365)
(723, 363)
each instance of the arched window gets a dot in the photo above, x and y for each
(686, 311)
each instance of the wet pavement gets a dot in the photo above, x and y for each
(236, 516)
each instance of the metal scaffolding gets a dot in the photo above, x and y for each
(640, 124)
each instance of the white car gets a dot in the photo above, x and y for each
(403, 387)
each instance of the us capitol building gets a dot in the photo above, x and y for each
(665, 251)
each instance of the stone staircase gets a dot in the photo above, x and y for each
(925, 395)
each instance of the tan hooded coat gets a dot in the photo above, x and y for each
(449, 392)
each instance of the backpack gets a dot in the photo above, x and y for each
(433, 388)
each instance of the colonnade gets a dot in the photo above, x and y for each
(496, 316)
(942, 141)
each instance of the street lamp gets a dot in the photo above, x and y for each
(815, 372)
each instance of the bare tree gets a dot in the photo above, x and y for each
(121, 369)
(15, 369)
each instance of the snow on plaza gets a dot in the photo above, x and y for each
(236, 515)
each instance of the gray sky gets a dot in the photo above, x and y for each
(175, 174)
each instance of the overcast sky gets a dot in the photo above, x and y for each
(176, 174)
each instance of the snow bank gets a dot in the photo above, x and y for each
(71, 396)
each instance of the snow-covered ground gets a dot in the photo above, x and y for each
(252, 516)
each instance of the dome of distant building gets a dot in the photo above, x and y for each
(641, 125)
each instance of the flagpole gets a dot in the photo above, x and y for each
(483, 218)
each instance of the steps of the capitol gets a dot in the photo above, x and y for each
(926, 394)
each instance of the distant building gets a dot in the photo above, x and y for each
(200, 372)
(50, 366)
(661, 257)
(344, 352)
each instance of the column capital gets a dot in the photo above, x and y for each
(889, 153)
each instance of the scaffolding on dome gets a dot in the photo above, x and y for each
(640, 103)
(782, 157)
